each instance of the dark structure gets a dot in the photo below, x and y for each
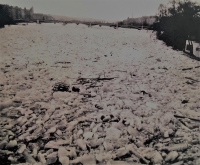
(11, 15)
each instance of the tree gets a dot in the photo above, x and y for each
(178, 22)
(162, 11)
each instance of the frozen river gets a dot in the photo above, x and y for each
(138, 99)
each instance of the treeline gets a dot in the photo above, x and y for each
(145, 21)
(177, 22)
(5, 17)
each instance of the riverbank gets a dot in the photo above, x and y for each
(138, 99)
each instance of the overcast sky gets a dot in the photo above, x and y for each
(111, 10)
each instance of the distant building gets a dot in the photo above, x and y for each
(23, 13)
(28, 13)
(38, 16)
(19, 13)
(31, 12)
(43, 17)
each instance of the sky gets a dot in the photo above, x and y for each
(109, 10)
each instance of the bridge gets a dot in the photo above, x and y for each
(89, 24)
(114, 25)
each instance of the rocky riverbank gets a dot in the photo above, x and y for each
(78, 95)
